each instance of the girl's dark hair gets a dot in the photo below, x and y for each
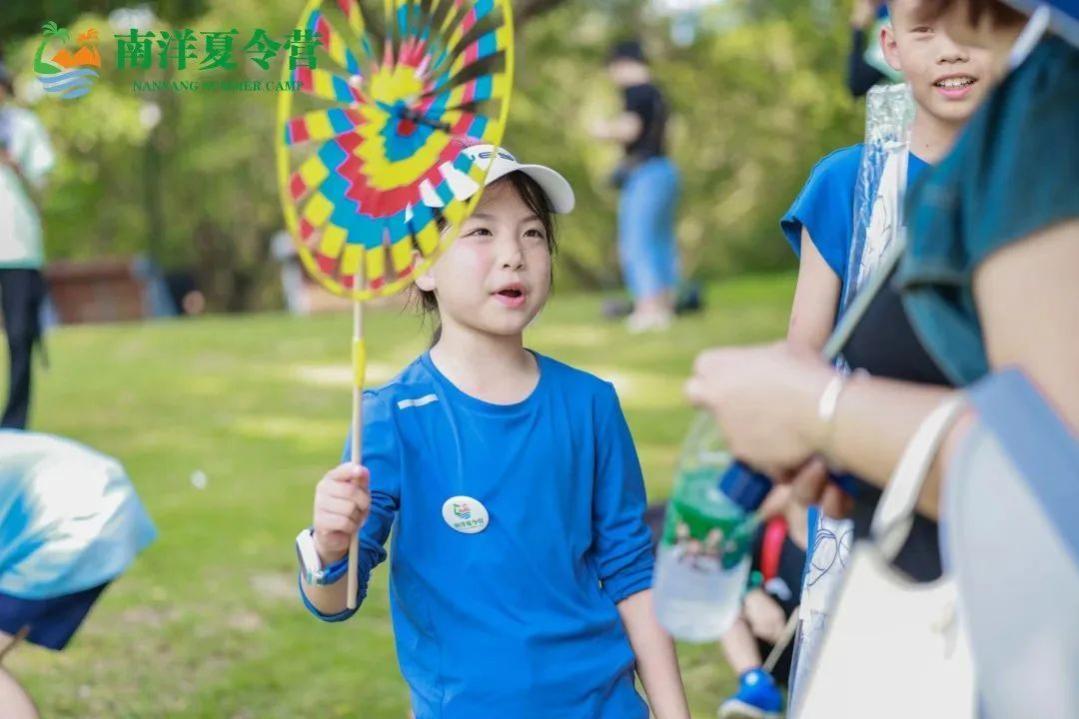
(535, 199)
(999, 13)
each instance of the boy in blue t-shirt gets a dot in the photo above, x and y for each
(948, 81)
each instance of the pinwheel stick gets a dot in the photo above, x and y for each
(359, 369)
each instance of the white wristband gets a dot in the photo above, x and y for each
(829, 399)
(829, 403)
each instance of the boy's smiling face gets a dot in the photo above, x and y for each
(496, 276)
(948, 80)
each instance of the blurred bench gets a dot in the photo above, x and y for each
(100, 290)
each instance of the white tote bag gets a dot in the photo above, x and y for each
(895, 649)
(1011, 502)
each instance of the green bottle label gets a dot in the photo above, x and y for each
(701, 520)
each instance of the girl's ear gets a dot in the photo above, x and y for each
(426, 281)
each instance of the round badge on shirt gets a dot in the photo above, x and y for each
(466, 515)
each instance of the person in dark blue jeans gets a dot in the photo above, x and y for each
(649, 185)
(26, 157)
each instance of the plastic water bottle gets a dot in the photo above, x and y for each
(703, 561)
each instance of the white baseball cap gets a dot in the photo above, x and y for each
(501, 163)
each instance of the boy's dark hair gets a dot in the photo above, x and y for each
(535, 199)
(999, 13)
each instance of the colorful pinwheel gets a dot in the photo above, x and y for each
(386, 124)
(377, 125)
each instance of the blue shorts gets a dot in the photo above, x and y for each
(52, 621)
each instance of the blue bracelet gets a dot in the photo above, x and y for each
(335, 571)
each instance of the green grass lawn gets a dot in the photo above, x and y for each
(207, 622)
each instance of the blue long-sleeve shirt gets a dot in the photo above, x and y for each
(518, 620)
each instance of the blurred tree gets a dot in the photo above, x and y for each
(25, 17)
(525, 10)
(758, 97)
(756, 102)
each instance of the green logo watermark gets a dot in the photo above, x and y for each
(70, 73)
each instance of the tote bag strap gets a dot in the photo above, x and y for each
(1042, 447)
(895, 512)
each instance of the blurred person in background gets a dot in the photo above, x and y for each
(26, 157)
(862, 75)
(187, 298)
(648, 183)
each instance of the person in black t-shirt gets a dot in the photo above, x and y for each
(648, 182)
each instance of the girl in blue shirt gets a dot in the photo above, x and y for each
(520, 562)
